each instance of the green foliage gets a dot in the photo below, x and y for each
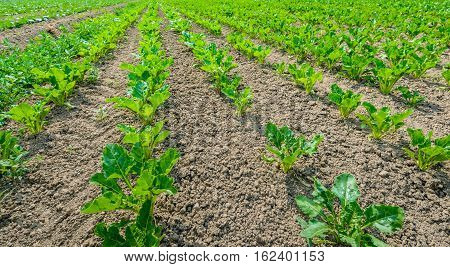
(423, 61)
(34, 11)
(412, 98)
(427, 152)
(11, 155)
(446, 74)
(145, 140)
(31, 116)
(142, 101)
(347, 101)
(215, 61)
(180, 25)
(388, 76)
(75, 48)
(355, 65)
(305, 76)
(130, 182)
(335, 217)
(281, 67)
(61, 87)
(288, 148)
(381, 122)
(328, 50)
(132, 176)
(247, 47)
(242, 99)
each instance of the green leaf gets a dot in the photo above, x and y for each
(111, 234)
(315, 229)
(345, 188)
(308, 206)
(116, 162)
(108, 201)
(386, 219)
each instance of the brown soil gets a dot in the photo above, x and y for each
(229, 197)
(44, 208)
(21, 36)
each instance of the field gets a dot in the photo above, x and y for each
(224, 123)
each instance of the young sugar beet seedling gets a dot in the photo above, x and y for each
(412, 98)
(62, 87)
(11, 155)
(347, 101)
(355, 65)
(142, 101)
(305, 76)
(288, 148)
(427, 153)
(387, 77)
(131, 183)
(345, 223)
(381, 122)
(242, 99)
(145, 140)
(31, 116)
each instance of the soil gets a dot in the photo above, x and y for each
(227, 195)
(44, 208)
(22, 35)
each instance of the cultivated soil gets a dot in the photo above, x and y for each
(227, 195)
(22, 35)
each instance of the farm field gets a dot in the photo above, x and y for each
(225, 123)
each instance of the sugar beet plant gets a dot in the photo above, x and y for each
(412, 98)
(31, 116)
(425, 151)
(286, 147)
(247, 47)
(133, 176)
(305, 76)
(130, 181)
(347, 101)
(12, 155)
(388, 76)
(380, 121)
(334, 217)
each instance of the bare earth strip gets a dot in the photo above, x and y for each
(229, 197)
(44, 210)
(21, 36)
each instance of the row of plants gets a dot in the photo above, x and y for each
(89, 38)
(216, 62)
(236, 39)
(56, 85)
(377, 56)
(14, 14)
(135, 172)
(247, 47)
